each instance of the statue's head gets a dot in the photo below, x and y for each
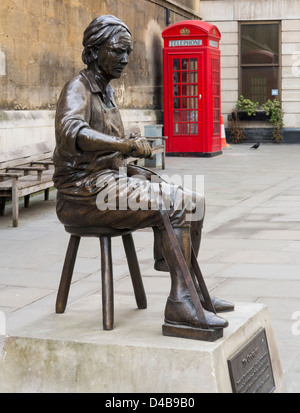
(107, 44)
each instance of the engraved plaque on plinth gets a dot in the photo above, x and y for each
(250, 367)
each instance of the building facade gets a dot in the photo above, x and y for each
(41, 45)
(260, 55)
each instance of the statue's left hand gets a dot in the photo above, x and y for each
(141, 148)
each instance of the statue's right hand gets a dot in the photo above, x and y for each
(137, 147)
(141, 148)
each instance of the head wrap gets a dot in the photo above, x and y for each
(98, 32)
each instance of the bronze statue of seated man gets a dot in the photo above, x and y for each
(90, 167)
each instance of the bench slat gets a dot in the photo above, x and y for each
(26, 181)
(24, 161)
(33, 162)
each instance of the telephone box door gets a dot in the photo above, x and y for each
(185, 103)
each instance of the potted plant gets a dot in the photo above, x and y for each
(247, 107)
(249, 110)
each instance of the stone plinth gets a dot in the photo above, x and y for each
(71, 352)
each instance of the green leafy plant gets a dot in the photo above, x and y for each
(247, 106)
(273, 108)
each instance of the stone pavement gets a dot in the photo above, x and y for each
(250, 249)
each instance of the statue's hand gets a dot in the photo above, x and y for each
(140, 148)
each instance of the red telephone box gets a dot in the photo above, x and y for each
(192, 89)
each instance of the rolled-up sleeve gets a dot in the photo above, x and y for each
(73, 114)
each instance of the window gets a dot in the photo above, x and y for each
(185, 96)
(259, 61)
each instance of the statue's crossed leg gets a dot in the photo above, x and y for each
(178, 264)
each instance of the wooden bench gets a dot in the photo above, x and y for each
(25, 171)
(156, 148)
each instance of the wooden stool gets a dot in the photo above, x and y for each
(105, 235)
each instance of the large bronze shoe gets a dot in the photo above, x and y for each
(221, 306)
(183, 313)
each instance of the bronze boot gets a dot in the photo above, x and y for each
(180, 309)
(183, 313)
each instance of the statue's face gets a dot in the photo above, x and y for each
(113, 56)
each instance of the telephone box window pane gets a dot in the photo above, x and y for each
(194, 103)
(185, 128)
(185, 103)
(258, 83)
(194, 90)
(176, 128)
(216, 90)
(185, 77)
(194, 64)
(185, 64)
(194, 129)
(185, 116)
(260, 43)
(176, 103)
(194, 116)
(194, 77)
(216, 128)
(185, 90)
(216, 115)
(176, 115)
(176, 64)
(176, 90)
(176, 77)
(216, 102)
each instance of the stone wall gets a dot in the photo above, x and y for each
(40, 50)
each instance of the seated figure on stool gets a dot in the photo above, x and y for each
(90, 168)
